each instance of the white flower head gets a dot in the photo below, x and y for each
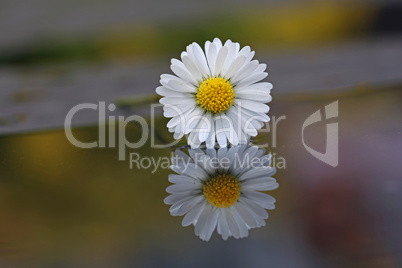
(215, 96)
(220, 189)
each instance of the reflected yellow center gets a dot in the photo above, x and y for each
(222, 191)
(215, 95)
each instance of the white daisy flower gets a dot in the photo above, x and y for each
(215, 95)
(219, 189)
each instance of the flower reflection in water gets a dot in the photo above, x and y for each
(220, 189)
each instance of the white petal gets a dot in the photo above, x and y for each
(245, 215)
(220, 132)
(232, 154)
(175, 110)
(193, 140)
(266, 160)
(210, 225)
(220, 60)
(187, 205)
(254, 119)
(221, 153)
(205, 127)
(192, 216)
(165, 78)
(196, 155)
(229, 130)
(234, 67)
(257, 172)
(212, 53)
(264, 200)
(182, 86)
(234, 229)
(198, 56)
(182, 72)
(192, 68)
(256, 115)
(211, 140)
(250, 56)
(245, 51)
(245, 71)
(251, 151)
(244, 121)
(180, 188)
(174, 178)
(206, 47)
(211, 152)
(181, 157)
(223, 227)
(259, 184)
(241, 136)
(210, 165)
(173, 122)
(252, 105)
(173, 198)
(258, 219)
(173, 100)
(218, 43)
(230, 56)
(191, 169)
(193, 119)
(261, 86)
(202, 220)
(255, 208)
(255, 95)
(240, 222)
(252, 79)
(164, 91)
(177, 134)
(176, 206)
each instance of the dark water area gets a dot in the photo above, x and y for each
(63, 206)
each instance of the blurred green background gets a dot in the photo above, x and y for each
(62, 206)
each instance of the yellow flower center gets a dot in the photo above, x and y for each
(222, 191)
(215, 95)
